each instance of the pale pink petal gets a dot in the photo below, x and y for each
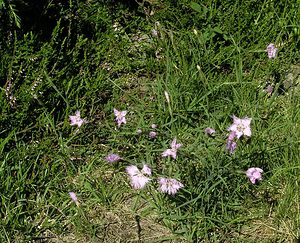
(231, 146)
(272, 51)
(173, 143)
(153, 126)
(246, 121)
(166, 153)
(233, 127)
(111, 158)
(139, 182)
(177, 146)
(146, 170)
(254, 174)
(247, 132)
(169, 186)
(123, 113)
(116, 112)
(169, 152)
(152, 134)
(73, 196)
(232, 135)
(209, 131)
(238, 134)
(132, 170)
(236, 120)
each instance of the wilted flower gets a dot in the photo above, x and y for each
(269, 89)
(76, 120)
(231, 136)
(120, 116)
(241, 126)
(231, 146)
(173, 151)
(254, 174)
(169, 186)
(272, 50)
(209, 131)
(152, 134)
(112, 158)
(138, 178)
(74, 198)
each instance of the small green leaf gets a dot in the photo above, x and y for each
(196, 7)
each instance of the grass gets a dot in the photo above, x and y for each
(210, 58)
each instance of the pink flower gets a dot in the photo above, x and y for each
(254, 174)
(209, 131)
(153, 126)
(272, 51)
(138, 178)
(231, 136)
(74, 198)
(112, 158)
(120, 117)
(241, 127)
(76, 120)
(269, 89)
(152, 134)
(173, 151)
(231, 146)
(169, 186)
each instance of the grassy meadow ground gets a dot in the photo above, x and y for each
(210, 57)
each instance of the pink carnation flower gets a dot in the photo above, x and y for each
(153, 126)
(254, 174)
(231, 146)
(76, 120)
(173, 151)
(241, 127)
(169, 186)
(272, 50)
(209, 131)
(152, 134)
(120, 117)
(112, 158)
(138, 178)
(74, 198)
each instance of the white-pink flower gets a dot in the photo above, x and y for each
(241, 127)
(272, 50)
(254, 174)
(152, 134)
(138, 178)
(74, 198)
(169, 186)
(173, 151)
(120, 117)
(209, 131)
(76, 120)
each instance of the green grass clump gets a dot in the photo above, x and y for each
(210, 58)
